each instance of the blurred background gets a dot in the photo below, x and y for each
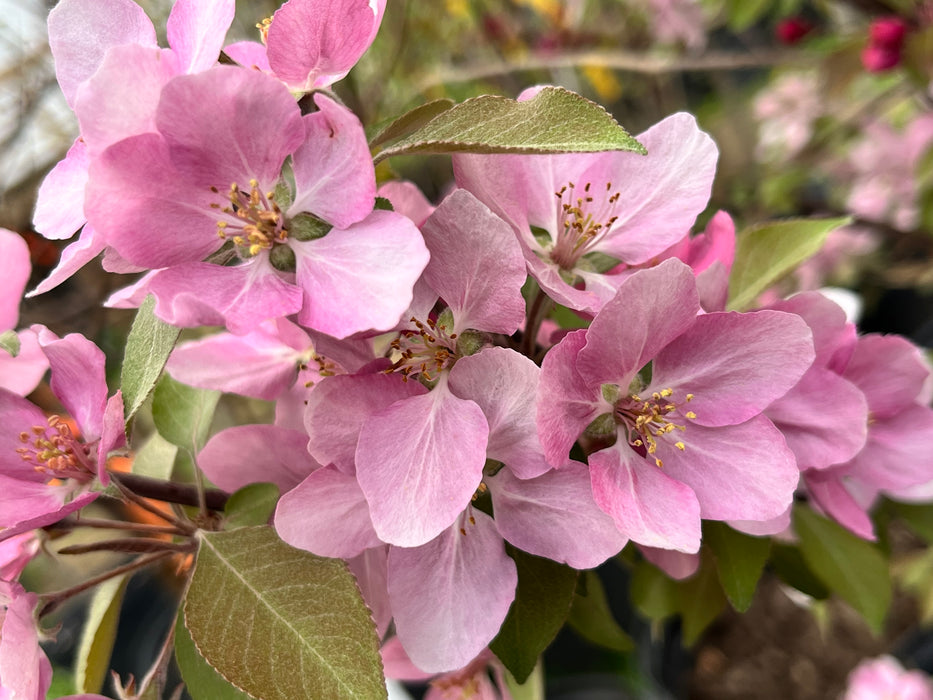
(813, 113)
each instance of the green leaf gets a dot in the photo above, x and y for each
(147, 349)
(918, 516)
(531, 689)
(700, 600)
(553, 121)
(766, 252)
(201, 679)
(182, 414)
(9, 341)
(99, 634)
(411, 120)
(251, 505)
(156, 458)
(281, 623)
(744, 13)
(653, 592)
(788, 563)
(740, 559)
(592, 619)
(542, 602)
(847, 564)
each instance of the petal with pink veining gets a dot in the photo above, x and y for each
(196, 31)
(419, 461)
(60, 201)
(73, 258)
(461, 580)
(249, 454)
(544, 516)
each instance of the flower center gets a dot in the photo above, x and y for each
(424, 352)
(583, 222)
(54, 451)
(254, 221)
(648, 420)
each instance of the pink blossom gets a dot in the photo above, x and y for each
(884, 677)
(47, 470)
(481, 679)
(22, 373)
(579, 215)
(165, 200)
(310, 44)
(690, 442)
(16, 552)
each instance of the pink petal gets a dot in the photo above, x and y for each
(461, 580)
(18, 415)
(419, 461)
(112, 434)
(651, 308)
(14, 274)
(338, 408)
(334, 174)
(21, 500)
(81, 31)
(360, 278)
(229, 125)
(832, 333)
(249, 54)
(78, 378)
(824, 419)
(371, 572)
(677, 565)
(566, 403)
(249, 454)
(22, 374)
(24, 667)
(239, 297)
(46, 514)
(258, 364)
(73, 258)
(121, 98)
(466, 241)
(735, 364)
(313, 43)
(832, 497)
(326, 514)
(407, 200)
(503, 384)
(648, 506)
(738, 472)
(897, 452)
(196, 30)
(60, 202)
(545, 516)
(890, 370)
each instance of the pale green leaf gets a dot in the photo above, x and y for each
(98, 636)
(411, 120)
(251, 505)
(281, 623)
(147, 349)
(9, 341)
(531, 689)
(542, 602)
(700, 600)
(592, 619)
(848, 565)
(653, 593)
(156, 458)
(767, 252)
(740, 559)
(182, 414)
(553, 121)
(201, 679)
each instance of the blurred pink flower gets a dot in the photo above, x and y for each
(884, 678)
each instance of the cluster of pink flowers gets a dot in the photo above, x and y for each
(423, 420)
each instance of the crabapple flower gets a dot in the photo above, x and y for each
(418, 485)
(112, 71)
(16, 552)
(210, 178)
(690, 440)
(897, 383)
(438, 585)
(310, 44)
(579, 215)
(884, 677)
(46, 469)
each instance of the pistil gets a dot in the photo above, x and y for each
(254, 220)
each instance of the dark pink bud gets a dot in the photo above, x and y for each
(887, 32)
(879, 58)
(792, 29)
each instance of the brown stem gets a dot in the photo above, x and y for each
(536, 314)
(54, 599)
(72, 523)
(130, 544)
(183, 494)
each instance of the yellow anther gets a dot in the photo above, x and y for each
(680, 446)
(666, 392)
(689, 397)
(691, 415)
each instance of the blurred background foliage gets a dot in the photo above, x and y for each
(805, 124)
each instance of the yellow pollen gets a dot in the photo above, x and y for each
(689, 397)
(691, 415)
(680, 446)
